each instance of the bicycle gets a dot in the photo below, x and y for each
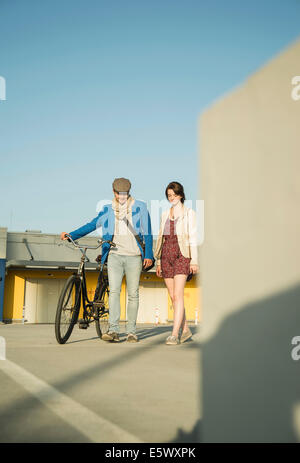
(74, 291)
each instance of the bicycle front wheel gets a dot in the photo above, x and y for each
(101, 320)
(67, 309)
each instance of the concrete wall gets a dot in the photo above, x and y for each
(250, 259)
(46, 247)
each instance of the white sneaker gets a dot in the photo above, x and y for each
(185, 336)
(172, 340)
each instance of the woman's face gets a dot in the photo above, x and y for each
(173, 198)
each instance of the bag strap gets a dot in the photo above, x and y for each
(138, 240)
(133, 231)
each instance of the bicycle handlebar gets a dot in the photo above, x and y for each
(100, 241)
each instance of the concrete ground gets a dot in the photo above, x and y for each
(88, 390)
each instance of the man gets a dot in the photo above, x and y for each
(128, 257)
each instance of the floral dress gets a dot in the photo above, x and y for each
(172, 261)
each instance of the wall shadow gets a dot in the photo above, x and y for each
(193, 436)
(250, 381)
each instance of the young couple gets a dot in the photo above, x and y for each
(176, 254)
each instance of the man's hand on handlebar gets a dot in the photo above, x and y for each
(64, 236)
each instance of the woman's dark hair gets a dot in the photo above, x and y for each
(178, 190)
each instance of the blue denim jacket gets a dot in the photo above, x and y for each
(106, 219)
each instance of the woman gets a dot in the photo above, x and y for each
(176, 254)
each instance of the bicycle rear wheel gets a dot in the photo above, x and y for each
(67, 309)
(101, 320)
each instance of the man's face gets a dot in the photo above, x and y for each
(121, 196)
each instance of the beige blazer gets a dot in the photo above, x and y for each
(186, 230)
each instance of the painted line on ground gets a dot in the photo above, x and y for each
(88, 423)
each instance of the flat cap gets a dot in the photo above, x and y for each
(121, 184)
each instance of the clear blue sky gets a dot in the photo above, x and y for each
(98, 90)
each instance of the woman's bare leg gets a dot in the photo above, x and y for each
(184, 325)
(169, 282)
(178, 304)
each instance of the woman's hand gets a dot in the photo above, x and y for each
(158, 271)
(63, 236)
(194, 268)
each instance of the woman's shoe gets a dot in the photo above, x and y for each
(172, 341)
(185, 336)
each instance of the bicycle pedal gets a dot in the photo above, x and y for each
(83, 325)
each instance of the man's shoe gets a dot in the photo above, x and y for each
(172, 341)
(111, 336)
(131, 337)
(185, 336)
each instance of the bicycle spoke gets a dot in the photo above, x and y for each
(69, 294)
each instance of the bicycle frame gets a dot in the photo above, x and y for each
(81, 272)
